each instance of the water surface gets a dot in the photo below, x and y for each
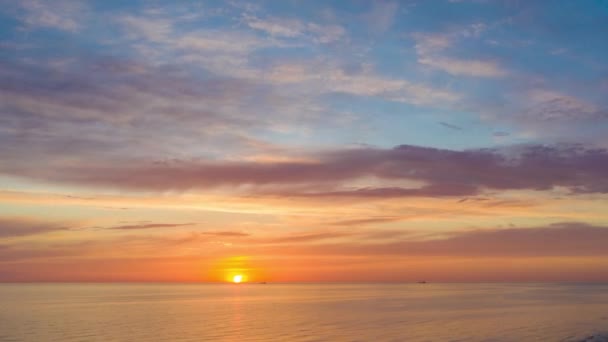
(295, 312)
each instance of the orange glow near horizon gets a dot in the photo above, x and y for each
(228, 269)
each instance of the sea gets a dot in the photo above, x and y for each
(304, 312)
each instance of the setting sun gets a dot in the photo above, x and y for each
(237, 279)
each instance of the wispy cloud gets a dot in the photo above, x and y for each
(547, 106)
(450, 126)
(560, 239)
(151, 226)
(431, 50)
(382, 15)
(225, 234)
(463, 67)
(366, 82)
(156, 30)
(276, 26)
(63, 15)
(230, 53)
(310, 237)
(15, 227)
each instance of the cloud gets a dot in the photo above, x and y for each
(560, 239)
(151, 226)
(12, 227)
(548, 106)
(277, 27)
(394, 192)
(114, 102)
(137, 243)
(220, 42)
(295, 28)
(427, 44)
(157, 30)
(457, 67)
(441, 172)
(563, 239)
(10, 253)
(541, 113)
(65, 15)
(431, 49)
(366, 221)
(333, 78)
(451, 126)
(161, 37)
(547, 248)
(309, 237)
(326, 33)
(352, 236)
(229, 53)
(225, 234)
(382, 15)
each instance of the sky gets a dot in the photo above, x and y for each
(303, 141)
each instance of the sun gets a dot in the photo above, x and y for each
(237, 278)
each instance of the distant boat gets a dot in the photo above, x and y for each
(422, 282)
(262, 282)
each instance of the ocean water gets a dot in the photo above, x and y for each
(303, 312)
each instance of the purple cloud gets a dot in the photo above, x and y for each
(444, 172)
